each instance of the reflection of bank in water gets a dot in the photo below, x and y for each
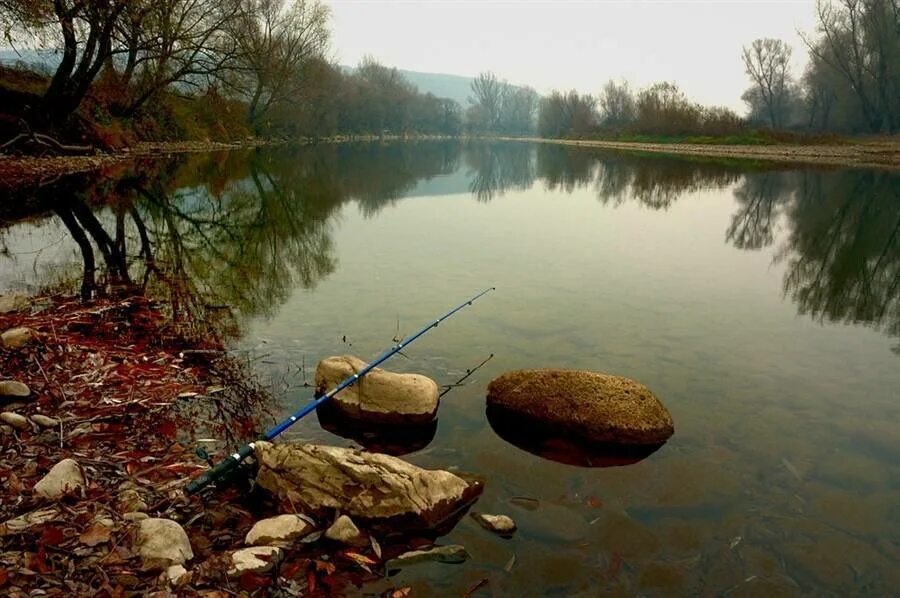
(395, 440)
(541, 440)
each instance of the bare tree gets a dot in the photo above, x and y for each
(173, 41)
(278, 41)
(617, 104)
(860, 39)
(519, 109)
(567, 115)
(83, 31)
(17, 16)
(766, 61)
(489, 93)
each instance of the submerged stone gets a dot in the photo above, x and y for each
(453, 554)
(500, 524)
(592, 406)
(379, 396)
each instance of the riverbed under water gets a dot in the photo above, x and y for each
(760, 303)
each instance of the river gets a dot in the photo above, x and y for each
(760, 303)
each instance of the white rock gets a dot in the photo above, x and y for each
(343, 530)
(361, 484)
(15, 420)
(13, 388)
(177, 574)
(130, 500)
(379, 396)
(501, 524)
(44, 421)
(66, 477)
(28, 520)
(256, 559)
(17, 337)
(13, 302)
(162, 543)
(282, 530)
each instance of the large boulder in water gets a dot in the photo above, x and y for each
(591, 406)
(368, 486)
(379, 396)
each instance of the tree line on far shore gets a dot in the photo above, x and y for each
(850, 86)
(185, 69)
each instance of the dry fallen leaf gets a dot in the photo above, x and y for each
(96, 534)
(324, 567)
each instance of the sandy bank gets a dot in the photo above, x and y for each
(882, 154)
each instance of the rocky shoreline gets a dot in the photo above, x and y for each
(107, 400)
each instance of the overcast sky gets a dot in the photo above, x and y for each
(573, 44)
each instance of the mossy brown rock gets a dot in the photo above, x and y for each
(593, 406)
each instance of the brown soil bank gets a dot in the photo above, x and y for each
(19, 171)
(883, 154)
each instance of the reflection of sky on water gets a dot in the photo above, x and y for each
(687, 276)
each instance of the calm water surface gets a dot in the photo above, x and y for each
(760, 303)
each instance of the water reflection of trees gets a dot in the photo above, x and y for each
(241, 230)
(843, 252)
(377, 175)
(227, 234)
(841, 245)
(654, 181)
(497, 167)
(758, 197)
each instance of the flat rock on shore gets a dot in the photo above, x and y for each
(368, 486)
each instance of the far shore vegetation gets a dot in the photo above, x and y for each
(114, 72)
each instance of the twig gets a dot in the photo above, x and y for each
(475, 588)
(58, 385)
(449, 387)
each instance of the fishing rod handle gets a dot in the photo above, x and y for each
(221, 471)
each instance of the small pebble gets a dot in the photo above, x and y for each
(14, 388)
(44, 421)
(15, 420)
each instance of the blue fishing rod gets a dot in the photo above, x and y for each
(225, 468)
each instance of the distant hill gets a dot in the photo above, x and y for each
(455, 87)
(41, 60)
